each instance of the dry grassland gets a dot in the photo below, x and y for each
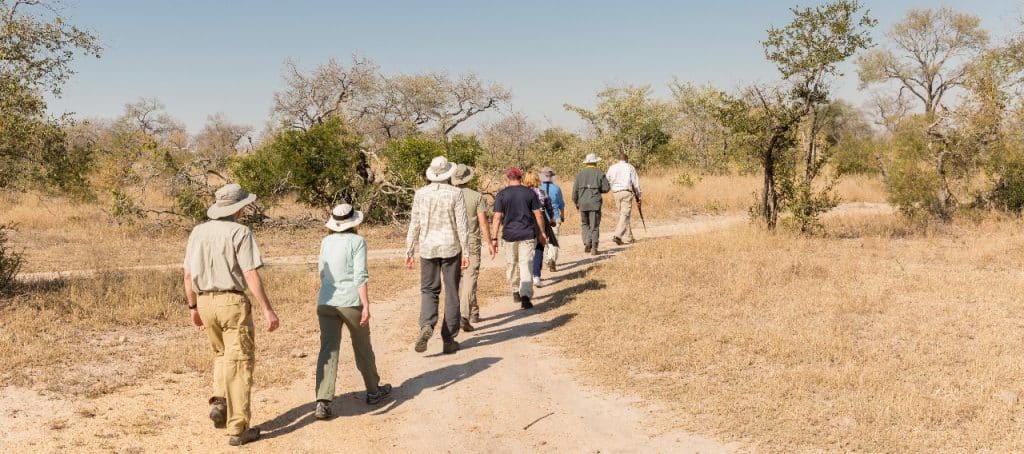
(878, 338)
(64, 336)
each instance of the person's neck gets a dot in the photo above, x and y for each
(515, 183)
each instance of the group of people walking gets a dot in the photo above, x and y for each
(449, 228)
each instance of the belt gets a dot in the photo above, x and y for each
(624, 190)
(221, 292)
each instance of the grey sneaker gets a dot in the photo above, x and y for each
(323, 409)
(219, 412)
(421, 342)
(249, 436)
(617, 240)
(383, 391)
(475, 318)
(450, 347)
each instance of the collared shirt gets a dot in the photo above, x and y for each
(475, 204)
(342, 267)
(218, 254)
(438, 222)
(555, 195)
(622, 177)
(586, 192)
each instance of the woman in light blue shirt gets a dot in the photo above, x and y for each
(344, 300)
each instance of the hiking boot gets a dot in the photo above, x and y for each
(586, 250)
(516, 298)
(552, 267)
(450, 347)
(383, 391)
(475, 318)
(323, 409)
(248, 436)
(421, 342)
(594, 252)
(526, 304)
(537, 283)
(617, 240)
(464, 324)
(219, 412)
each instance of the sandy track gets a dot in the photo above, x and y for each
(504, 392)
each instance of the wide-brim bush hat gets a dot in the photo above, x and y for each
(228, 200)
(463, 174)
(344, 217)
(591, 159)
(546, 174)
(440, 169)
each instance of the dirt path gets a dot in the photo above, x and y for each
(504, 392)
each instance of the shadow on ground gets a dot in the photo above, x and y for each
(352, 403)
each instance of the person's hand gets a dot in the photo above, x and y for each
(465, 262)
(639, 202)
(272, 321)
(410, 262)
(365, 318)
(543, 240)
(493, 249)
(197, 321)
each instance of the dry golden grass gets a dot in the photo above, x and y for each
(875, 340)
(65, 336)
(57, 235)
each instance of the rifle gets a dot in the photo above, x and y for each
(639, 207)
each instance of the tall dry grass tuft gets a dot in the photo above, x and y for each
(878, 341)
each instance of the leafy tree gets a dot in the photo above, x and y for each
(628, 119)
(37, 47)
(929, 54)
(317, 165)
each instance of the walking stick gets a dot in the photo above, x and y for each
(640, 208)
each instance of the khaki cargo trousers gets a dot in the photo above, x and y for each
(623, 230)
(227, 317)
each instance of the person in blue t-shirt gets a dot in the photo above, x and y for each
(554, 194)
(517, 215)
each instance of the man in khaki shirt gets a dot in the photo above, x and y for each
(221, 262)
(476, 213)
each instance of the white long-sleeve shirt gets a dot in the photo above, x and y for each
(622, 177)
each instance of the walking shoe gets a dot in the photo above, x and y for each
(552, 267)
(248, 436)
(586, 250)
(219, 412)
(383, 391)
(464, 324)
(450, 347)
(526, 303)
(421, 342)
(617, 240)
(516, 298)
(323, 409)
(475, 318)
(594, 252)
(536, 282)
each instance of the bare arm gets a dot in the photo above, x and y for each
(255, 284)
(192, 298)
(496, 226)
(364, 298)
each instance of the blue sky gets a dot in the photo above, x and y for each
(203, 57)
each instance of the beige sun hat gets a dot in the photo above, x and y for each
(229, 199)
(546, 174)
(440, 169)
(591, 159)
(344, 217)
(463, 174)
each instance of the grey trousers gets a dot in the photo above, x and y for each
(331, 320)
(432, 273)
(591, 231)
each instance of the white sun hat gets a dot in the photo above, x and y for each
(229, 199)
(344, 217)
(440, 169)
(591, 159)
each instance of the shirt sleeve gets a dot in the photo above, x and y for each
(188, 254)
(535, 202)
(499, 202)
(248, 252)
(414, 227)
(462, 222)
(360, 272)
(605, 186)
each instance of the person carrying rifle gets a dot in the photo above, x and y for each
(625, 185)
